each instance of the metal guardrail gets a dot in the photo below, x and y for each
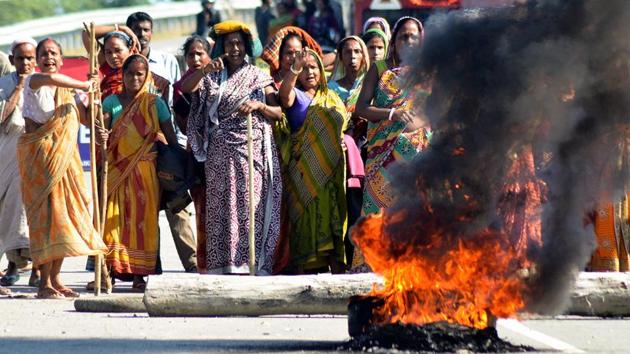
(175, 19)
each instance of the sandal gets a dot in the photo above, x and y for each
(9, 280)
(67, 292)
(49, 293)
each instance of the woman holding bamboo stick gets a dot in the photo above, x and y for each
(137, 119)
(226, 91)
(54, 192)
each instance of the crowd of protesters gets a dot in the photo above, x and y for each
(330, 116)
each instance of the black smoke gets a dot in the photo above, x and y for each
(552, 76)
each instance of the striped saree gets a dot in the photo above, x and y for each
(54, 189)
(316, 184)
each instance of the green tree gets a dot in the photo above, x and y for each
(14, 11)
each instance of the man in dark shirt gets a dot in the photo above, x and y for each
(262, 17)
(207, 18)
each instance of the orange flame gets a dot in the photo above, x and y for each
(454, 278)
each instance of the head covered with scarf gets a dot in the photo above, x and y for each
(375, 32)
(392, 52)
(148, 79)
(383, 24)
(339, 70)
(112, 82)
(271, 52)
(220, 30)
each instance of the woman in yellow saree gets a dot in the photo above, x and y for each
(137, 119)
(54, 191)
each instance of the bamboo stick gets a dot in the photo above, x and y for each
(100, 204)
(95, 195)
(252, 223)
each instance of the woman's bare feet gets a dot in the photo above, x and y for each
(49, 293)
(61, 288)
(67, 292)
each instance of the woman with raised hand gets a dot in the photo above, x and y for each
(196, 51)
(226, 91)
(282, 47)
(316, 171)
(54, 191)
(135, 119)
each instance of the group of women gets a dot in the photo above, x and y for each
(313, 133)
(322, 142)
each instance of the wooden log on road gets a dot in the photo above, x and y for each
(113, 303)
(222, 295)
(601, 294)
(595, 294)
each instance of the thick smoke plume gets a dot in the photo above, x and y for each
(548, 77)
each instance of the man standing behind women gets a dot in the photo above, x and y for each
(226, 91)
(316, 170)
(396, 130)
(14, 231)
(53, 188)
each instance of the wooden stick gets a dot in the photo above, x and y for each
(95, 195)
(252, 223)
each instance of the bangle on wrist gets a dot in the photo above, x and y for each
(295, 72)
(116, 27)
(391, 113)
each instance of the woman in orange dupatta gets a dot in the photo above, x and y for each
(137, 119)
(54, 191)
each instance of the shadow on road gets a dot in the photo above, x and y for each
(134, 346)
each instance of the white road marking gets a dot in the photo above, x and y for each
(517, 327)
